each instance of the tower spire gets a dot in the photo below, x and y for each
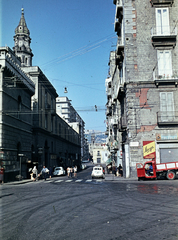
(22, 42)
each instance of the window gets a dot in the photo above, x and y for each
(164, 63)
(98, 160)
(167, 106)
(46, 121)
(46, 100)
(19, 106)
(52, 147)
(60, 129)
(51, 124)
(162, 21)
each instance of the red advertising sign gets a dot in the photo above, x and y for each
(149, 149)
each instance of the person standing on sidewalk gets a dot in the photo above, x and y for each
(71, 172)
(35, 173)
(75, 171)
(1, 174)
(68, 172)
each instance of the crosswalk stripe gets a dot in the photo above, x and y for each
(79, 180)
(68, 180)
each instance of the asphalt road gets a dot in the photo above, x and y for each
(86, 209)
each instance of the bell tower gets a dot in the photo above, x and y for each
(22, 42)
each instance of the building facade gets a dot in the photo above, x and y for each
(142, 83)
(67, 112)
(32, 133)
(16, 124)
(99, 153)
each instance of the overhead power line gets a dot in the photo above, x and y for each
(79, 51)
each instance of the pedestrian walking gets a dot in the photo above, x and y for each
(68, 172)
(71, 172)
(35, 173)
(1, 174)
(44, 172)
(75, 171)
(50, 172)
(120, 170)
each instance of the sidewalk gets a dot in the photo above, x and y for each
(18, 182)
(112, 177)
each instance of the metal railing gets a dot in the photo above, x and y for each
(164, 31)
(158, 75)
(167, 117)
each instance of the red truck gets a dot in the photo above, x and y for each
(167, 170)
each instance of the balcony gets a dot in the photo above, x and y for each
(164, 36)
(109, 111)
(119, 10)
(167, 118)
(165, 79)
(109, 92)
(117, 27)
(160, 3)
(114, 120)
(120, 47)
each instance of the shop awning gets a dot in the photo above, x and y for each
(108, 161)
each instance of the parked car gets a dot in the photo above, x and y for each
(97, 172)
(58, 171)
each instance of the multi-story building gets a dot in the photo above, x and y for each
(66, 111)
(142, 85)
(99, 153)
(16, 90)
(31, 131)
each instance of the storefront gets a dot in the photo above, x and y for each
(168, 152)
(167, 147)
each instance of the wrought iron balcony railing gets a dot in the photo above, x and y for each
(167, 117)
(164, 36)
(159, 77)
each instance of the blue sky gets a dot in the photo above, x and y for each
(71, 43)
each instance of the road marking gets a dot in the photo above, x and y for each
(99, 180)
(68, 180)
(79, 180)
(89, 180)
(59, 181)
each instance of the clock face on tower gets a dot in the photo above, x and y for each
(20, 28)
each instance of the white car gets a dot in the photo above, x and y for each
(58, 171)
(97, 172)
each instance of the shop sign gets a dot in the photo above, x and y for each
(149, 149)
(166, 136)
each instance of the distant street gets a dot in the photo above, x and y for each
(86, 209)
